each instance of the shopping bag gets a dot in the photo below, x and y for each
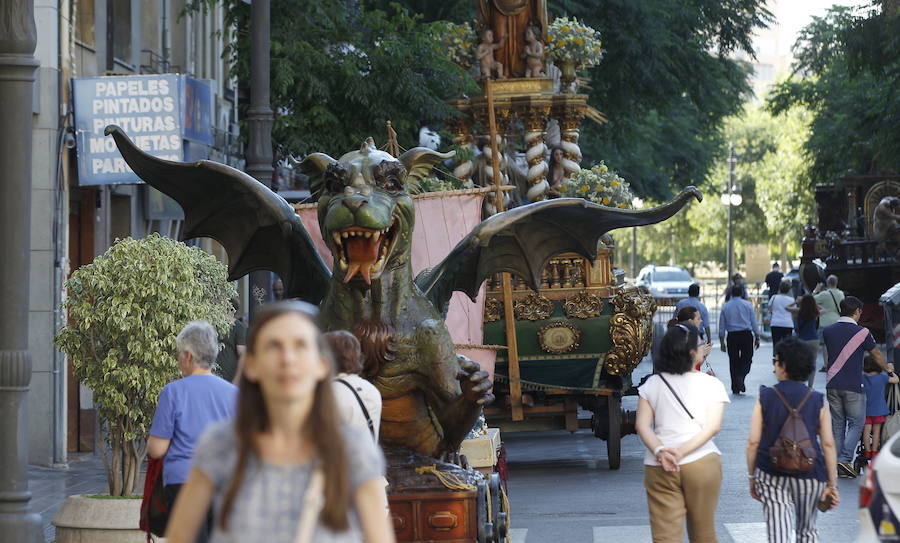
(892, 424)
(154, 513)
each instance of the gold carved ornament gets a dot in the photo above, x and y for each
(559, 337)
(631, 330)
(492, 309)
(532, 307)
(583, 305)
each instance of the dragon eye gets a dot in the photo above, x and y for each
(389, 176)
(333, 178)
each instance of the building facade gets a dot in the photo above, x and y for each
(75, 218)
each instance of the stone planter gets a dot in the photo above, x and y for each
(96, 520)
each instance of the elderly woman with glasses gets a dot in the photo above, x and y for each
(187, 406)
(679, 411)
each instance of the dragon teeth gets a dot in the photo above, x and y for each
(337, 237)
(375, 235)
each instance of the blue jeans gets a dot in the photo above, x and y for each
(848, 415)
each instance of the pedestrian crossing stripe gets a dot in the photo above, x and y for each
(740, 532)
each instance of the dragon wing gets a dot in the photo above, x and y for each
(258, 228)
(522, 241)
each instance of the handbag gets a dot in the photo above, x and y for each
(313, 501)
(154, 513)
(891, 426)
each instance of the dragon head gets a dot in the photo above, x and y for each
(366, 214)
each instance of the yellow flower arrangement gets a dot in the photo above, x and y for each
(600, 185)
(570, 41)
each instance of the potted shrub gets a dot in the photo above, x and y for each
(124, 311)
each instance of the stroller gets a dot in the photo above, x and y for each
(890, 427)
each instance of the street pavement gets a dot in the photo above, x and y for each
(561, 488)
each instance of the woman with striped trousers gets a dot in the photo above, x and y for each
(790, 500)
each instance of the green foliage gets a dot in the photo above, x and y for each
(434, 184)
(124, 310)
(776, 192)
(341, 69)
(846, 73)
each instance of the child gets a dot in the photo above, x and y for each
(485, 55)
(875, 382)
(534, 53)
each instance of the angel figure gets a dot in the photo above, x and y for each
(485, 55)
(534, 53)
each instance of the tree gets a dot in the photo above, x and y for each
(777, 195)
(341, 69)
(846, 73)
(125, 309)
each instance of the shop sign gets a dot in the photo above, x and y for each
(151, 109)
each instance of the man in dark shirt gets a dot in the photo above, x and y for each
(737, 280)
(845, 392)
(773, 279)
(233, 345)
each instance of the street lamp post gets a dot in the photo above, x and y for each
(731, 198)
(636, 203)
(259, 125)
(18, 38)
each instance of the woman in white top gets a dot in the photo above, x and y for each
(679, 412)
(782, 322)
(358, 401)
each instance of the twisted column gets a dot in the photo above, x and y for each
(569, 111)
(489, 206)
(535, 120)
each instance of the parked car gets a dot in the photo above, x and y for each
(668, 282)
(879, 496)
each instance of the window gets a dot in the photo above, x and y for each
(120, 21)
(671, 275)
(84, 30)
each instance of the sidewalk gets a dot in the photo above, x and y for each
(49, 487)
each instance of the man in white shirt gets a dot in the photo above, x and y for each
(359, 402)
(829, 301)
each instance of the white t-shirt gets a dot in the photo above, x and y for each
(350, 411)
(780, 315)
(670, 422)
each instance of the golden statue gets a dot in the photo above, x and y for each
(511, 19)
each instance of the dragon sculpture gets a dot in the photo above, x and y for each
(432, 397)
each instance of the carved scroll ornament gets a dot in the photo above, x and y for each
(533, 307)
(492, 310)
(583, 305)
(631, 330)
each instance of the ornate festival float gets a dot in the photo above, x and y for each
(551, 294)
(857, 238)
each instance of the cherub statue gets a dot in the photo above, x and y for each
(534, 53)
(886, 222)
(485, 55)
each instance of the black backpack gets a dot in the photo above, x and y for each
(793, 451)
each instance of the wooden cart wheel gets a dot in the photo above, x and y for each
(614, 437)
(485, 529)
(499, 515)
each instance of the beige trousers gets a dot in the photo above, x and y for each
(690, 494)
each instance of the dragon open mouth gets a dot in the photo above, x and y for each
(364, 251)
